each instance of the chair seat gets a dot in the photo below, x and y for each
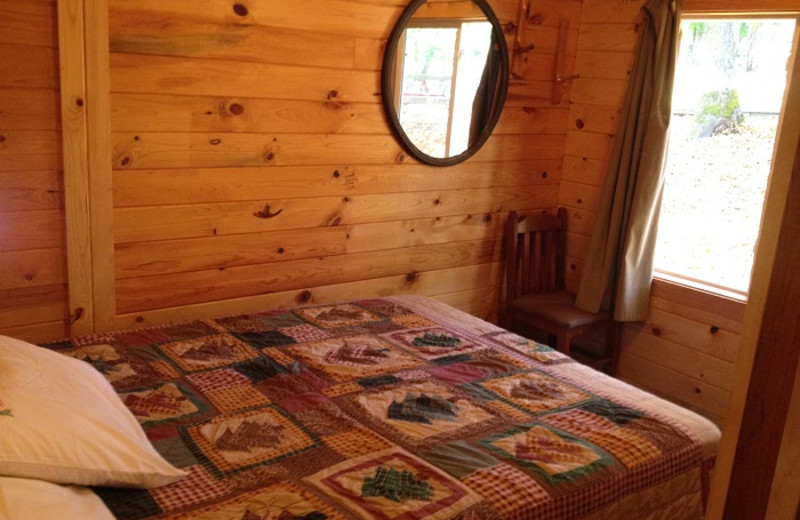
(557, 307)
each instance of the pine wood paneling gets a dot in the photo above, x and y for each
(132, 33)
(196, 185)
(137, 73)
(175, 113)
(29, 23)
(25, 66)
(172, 222)
(32, 268)
(30, 190)
(33, 297)
(450, 281)
(253, 163)
(137, 294)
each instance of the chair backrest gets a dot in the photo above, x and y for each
(535, 249)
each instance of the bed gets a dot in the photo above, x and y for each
(386, 408)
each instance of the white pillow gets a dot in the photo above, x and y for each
(64, 423)
(28, 499)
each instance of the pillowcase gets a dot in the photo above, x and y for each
(22, 498)
(67, 424)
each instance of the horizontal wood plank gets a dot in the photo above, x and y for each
(30, 109)
(139, 73)
(149, 33)
(221, 150)
(701, 397)
(706, 338)
(174, 222)
(421, 231)
(27, 66)
(602, 92)
(579, 195)
(31, 305)
(591, 146)
(137, 294)
(424, 283)
(685, 360)
(31, 190)
(221, 252)
(191, 186)
(28, 23)
(333, 17)
(22, 230)
(32, 268)
(177, 113)
(591, 118)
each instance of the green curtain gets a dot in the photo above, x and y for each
(619, 265)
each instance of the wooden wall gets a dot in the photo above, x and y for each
(33, 291)
(252, 165)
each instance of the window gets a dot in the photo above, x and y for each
(727, 97)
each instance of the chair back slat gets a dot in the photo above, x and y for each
(535, 248)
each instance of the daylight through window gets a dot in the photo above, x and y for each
(728, 92)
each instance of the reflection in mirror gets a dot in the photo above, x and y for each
(445, 79)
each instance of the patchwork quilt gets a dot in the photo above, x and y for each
(381, 409)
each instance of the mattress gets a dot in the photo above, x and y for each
(391, 408)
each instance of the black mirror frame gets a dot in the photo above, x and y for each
(387, 86)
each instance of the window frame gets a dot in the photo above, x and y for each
(700, 285)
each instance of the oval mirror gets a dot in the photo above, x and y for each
(445, 78)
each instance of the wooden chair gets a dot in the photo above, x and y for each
(535, 296)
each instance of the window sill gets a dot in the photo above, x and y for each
(730, 305)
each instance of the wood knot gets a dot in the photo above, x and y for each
(336, 221)
(333, 94)
(215, 142)
(529, 110)
(269, 156)
(125, 161)
(266, 213)
(79, 102)
(139, 319)
(656, 331)
(573, 267)
(29, 277)
(240, 9)
(401, 158)
(579, 124)
(236, 109)
(487, 218)
(303, 297)
(544, 175)
(714, 329)
(412, 277)
(76, 315)
(336, 174)
(2, 139)
(281, 250)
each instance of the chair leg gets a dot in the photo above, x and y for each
(613, 340)
(563, 342)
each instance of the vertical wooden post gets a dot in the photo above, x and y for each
(753, 372)
(100, 175)
(74, 129)
(83, 64)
